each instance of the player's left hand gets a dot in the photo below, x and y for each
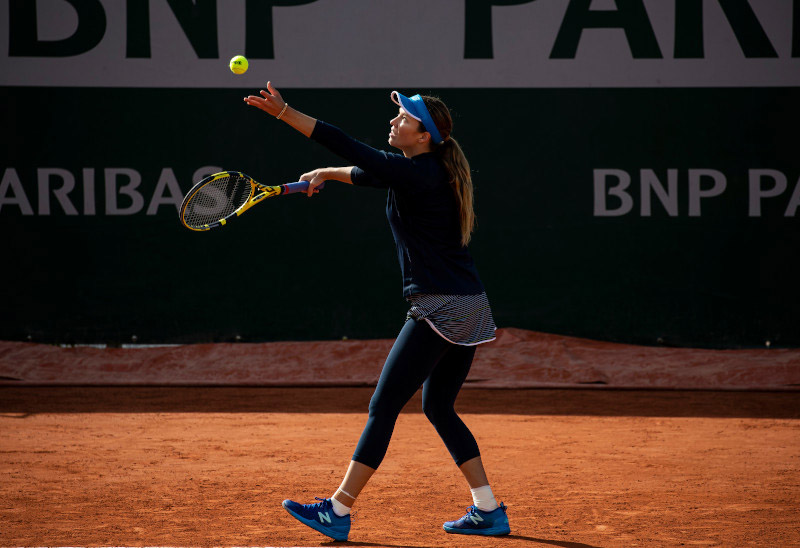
(270, 101)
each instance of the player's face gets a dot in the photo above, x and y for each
(405, 131)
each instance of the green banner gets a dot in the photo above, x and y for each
(654, 216)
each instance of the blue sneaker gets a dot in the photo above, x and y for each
(478, 522)
(320, 516)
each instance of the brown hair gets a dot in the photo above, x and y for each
(455, 163)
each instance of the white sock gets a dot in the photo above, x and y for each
(339, 509)
(484, 499)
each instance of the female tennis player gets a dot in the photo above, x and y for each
(429, 207)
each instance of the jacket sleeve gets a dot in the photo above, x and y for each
(362, 178)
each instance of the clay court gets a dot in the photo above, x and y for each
(153, 460)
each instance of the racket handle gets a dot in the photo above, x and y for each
(300, 186)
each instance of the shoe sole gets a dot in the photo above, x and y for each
(327, 531)
(489, 532)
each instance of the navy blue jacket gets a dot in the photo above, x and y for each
(422, 212)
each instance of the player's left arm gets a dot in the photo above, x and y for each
(273, 104)
(387, 166)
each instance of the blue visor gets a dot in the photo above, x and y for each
(415, 107)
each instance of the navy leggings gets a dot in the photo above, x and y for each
(419, 356)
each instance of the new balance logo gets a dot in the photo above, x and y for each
(324, 517)
(475, 518)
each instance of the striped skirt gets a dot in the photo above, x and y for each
(460, 319)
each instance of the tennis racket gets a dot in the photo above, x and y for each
(221, 197)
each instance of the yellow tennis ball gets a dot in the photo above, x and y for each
(238, 64)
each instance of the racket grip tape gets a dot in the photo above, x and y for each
(300, 186)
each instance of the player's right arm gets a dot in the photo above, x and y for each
(320, 175)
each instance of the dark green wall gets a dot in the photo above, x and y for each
(323, 268)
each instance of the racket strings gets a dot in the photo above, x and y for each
(217, 200)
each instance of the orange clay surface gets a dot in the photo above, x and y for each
(517, 359)
(203, 466)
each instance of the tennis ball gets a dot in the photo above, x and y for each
(238, 64)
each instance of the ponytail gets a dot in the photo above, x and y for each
(461, 180)
(456, 165)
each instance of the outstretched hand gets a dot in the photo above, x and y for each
(270, 101)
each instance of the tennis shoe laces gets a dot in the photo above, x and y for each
(478, 522)
(320, 516)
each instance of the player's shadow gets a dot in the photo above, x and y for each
(351, 543)
(562, 543)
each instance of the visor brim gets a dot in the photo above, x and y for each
(406, 104)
